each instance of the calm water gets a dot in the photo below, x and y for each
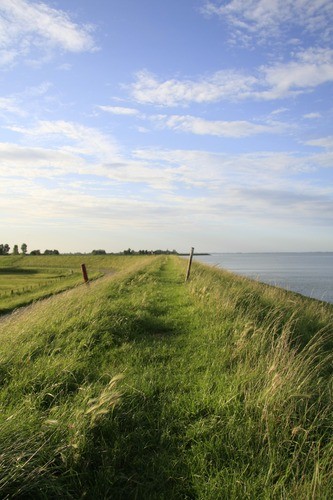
(310, 274)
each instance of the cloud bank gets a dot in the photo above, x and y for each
(307, 70)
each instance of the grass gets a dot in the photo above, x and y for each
(25, 279)
(142, 386)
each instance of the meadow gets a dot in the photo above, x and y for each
(26, 278)
(140, 385)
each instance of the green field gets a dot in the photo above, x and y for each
(24, 279)
(140, 386)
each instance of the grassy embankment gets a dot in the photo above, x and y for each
(226, 390)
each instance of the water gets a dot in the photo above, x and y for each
(310, 274)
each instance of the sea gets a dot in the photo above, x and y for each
(310, 274)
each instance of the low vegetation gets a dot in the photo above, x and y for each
(142, 386)
(25, 279)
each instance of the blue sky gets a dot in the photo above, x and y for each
(154, 124)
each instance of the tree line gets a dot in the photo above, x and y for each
(5, 250)
(129, 251)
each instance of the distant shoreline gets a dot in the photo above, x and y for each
(184, 254)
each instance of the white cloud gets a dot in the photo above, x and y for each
(324, 142)
(261, 185)
(72, 137)
(312, 116)
(10, 105)
(118, 110)
(22, 103)
(30, 162)
(55, 149)
(26, 25)
(220, 85)
(71, 206)
(218, 128)
(308, 69)
(279, 111)
(270, 18)
(156, 187)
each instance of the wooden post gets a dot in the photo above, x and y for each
(84, 273)
(189, 264)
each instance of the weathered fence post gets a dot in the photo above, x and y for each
(189, 265)
(84, 273)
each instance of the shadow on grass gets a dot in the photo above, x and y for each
(17, 270)
(138, 453)
(143, 326)
(150, 327)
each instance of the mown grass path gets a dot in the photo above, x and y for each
(157, 407)
(225, 390)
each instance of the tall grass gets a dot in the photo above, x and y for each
(277, 361)
(141, 386)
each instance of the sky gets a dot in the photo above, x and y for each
(156, 124)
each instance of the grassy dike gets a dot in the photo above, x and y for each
(142, 386)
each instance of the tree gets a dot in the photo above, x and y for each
(35, 252)
(51, 252)
(128, 252)
(24, 248)
(99, 252)
(15, 250)
(4, 249)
